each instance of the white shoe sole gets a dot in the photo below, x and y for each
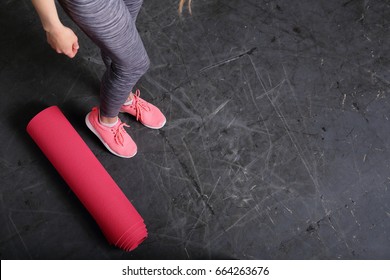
(152, 127)
(155, 127)
(90, 126)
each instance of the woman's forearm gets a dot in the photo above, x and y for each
(61, 38)
(48, 14)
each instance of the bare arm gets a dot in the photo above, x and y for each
(61, 38)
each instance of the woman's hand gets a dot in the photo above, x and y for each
(63, 40)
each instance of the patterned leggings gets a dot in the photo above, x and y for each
(111, 26)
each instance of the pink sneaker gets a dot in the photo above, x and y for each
(148, 114)
(115, 138)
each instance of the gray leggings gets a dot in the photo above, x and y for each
(111, 26)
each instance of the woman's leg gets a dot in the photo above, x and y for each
(111, 27)
(133, 6)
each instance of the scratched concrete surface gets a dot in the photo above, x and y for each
(276, 147)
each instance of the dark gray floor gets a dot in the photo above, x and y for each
(276, 147)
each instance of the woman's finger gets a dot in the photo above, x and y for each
(76, 45)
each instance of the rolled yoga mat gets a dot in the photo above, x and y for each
(120, 222)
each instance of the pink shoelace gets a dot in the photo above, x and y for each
(118, 133)
(139, 105)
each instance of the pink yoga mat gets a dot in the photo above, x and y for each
(62, 145)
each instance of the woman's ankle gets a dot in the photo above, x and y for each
(108, 121)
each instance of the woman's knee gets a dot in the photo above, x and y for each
(139, 64)
(130, 70)
(145, 63)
